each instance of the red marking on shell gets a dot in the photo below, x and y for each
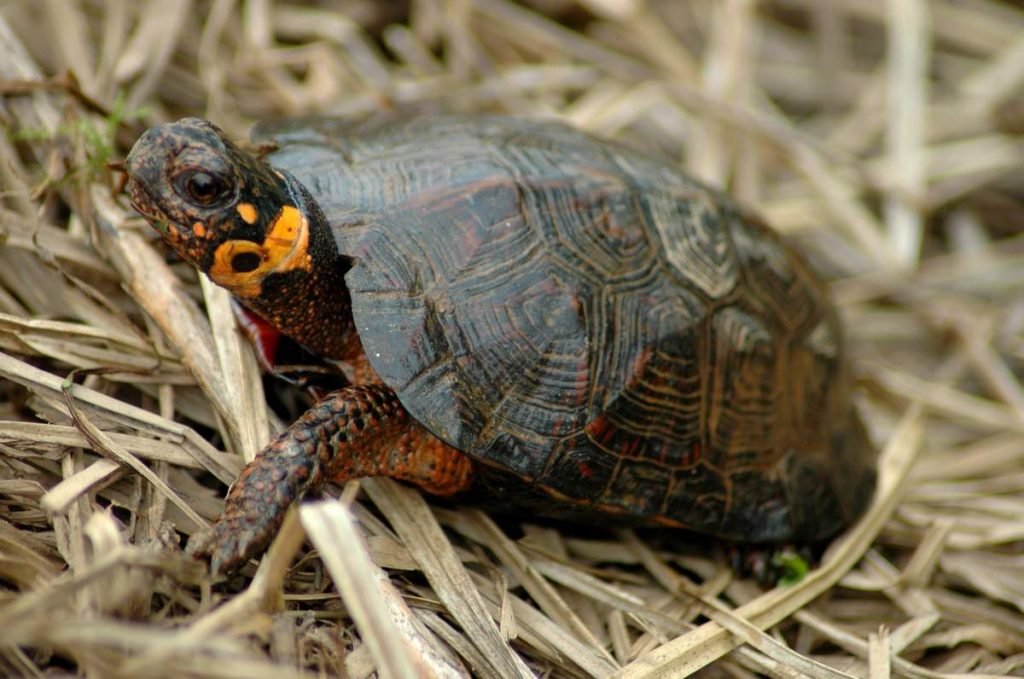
(599, 429)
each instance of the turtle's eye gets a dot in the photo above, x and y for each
(202, 188)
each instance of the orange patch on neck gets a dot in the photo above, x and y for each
(285, 248)
(247, 212)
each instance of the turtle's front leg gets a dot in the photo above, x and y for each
(355, 432)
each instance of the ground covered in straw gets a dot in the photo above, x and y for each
(881, 136)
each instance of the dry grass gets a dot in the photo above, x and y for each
(878, 134)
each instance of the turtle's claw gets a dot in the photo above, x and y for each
(230, 542)
(256, 505)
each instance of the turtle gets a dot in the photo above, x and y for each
(522, 310)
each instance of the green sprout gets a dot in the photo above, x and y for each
(792, 566)
(96, 135)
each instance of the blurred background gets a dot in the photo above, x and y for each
(882, 137)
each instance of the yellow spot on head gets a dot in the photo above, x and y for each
(247, 212)
(285, 248)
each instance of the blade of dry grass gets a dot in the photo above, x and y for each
(710, 641)
(385, 622)
(724, 74)
(50, 388)
(549, 600)
(32, 615)
(426, 542)
(951, 402)
(103, 443)
(857, 645)
(547, 638)
(24, 434)
(59, 498)
(908, 64)
(241, 378)
(775, 653)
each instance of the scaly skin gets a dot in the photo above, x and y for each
(354, 432)
(260, 234)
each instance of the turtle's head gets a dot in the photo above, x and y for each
(251, 228)
(226, 212)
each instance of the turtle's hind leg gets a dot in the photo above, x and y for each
(354, 432)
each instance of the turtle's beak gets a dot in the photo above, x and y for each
(144, 166)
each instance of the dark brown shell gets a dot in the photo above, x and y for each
(592, 321)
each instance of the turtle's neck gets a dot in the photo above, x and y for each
(312, 305)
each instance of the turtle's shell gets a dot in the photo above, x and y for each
(591, 321)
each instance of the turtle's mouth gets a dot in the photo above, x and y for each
(140, 198)
(177, 230)
(144, 203)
